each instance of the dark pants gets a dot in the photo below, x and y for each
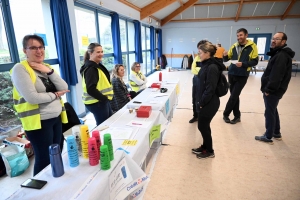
(194, 88)
(271, 115)
(237, 84)
(41, 139)
(101, 111)
(205, 115)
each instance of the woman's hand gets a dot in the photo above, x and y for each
(61, 93)
(39, 67)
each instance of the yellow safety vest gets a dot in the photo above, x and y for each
(103, 86)
(29, 114)
(133, 85)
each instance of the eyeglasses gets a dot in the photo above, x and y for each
(33, 48)
(276, 39)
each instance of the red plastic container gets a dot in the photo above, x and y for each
(144, 111)
(156, 85)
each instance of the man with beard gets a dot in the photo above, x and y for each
(245, 53)
(274, 84)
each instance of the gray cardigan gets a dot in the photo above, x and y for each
(50, 107)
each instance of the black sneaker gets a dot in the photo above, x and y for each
(198, 150)
(205, 154)
(264, 139)
(235, 120)
(194, 119)
(277, 137)
(226, 119)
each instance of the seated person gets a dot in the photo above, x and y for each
(121, 94)
(137, 79)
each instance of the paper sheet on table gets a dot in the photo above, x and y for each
(171, 82)
(160, 95)
(140, 124)
(118, 133)
(233, 61)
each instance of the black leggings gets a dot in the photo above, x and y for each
(41, 139)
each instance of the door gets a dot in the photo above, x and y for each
(263, 43)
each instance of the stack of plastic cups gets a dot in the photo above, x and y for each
(108, 142)
(96, 135)
(76, 133)
(93, 152)
(104, 157)
(84, 136)
(72, 151)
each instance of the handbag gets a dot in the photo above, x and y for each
(15, 160)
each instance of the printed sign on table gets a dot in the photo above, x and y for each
(167, 106)
(177, 89)
(129, 142)
(154, 133)
(119, 178)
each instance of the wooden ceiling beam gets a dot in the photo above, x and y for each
(237, 2)
(178, 11)
(130, 5)
(239, 10)
(286, 12)
(154, 7)
(233, 18)
(155, 18)
(181, 2)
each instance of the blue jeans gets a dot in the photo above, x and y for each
(101, 111)
(271, 115)
(41, 139)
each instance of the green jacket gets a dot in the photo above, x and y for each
(248, 55)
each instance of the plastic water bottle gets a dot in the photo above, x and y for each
(56, 160)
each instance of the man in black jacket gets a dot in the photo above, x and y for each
(274, 84)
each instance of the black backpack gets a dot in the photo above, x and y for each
(222, 86)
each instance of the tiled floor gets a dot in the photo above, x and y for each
(243, 168)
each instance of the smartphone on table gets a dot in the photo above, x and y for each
(34, 183)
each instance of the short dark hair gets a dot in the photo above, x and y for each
(201, 42)
(219, 44)
(284, 36)
(31, 37)
(242, 30)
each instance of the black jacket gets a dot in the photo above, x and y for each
(207, 81)
(277, 75)
(120, 95)
(91, 77)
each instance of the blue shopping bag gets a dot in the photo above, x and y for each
(15, 160)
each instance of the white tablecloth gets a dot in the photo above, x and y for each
(89, 182)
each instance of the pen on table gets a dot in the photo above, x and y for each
(136, 124)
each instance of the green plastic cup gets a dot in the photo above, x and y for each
(108, 142)
(104, 158)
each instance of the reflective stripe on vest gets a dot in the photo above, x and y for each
(29, 114)
(103, 86)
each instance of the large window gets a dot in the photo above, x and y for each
(86, 30)
(105, 33)
(4, 51)
(147, 65)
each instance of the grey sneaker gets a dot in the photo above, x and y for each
(264, 139)
(205, 154)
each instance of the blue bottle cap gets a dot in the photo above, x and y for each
(54, 149)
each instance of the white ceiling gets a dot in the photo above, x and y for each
(256, 9)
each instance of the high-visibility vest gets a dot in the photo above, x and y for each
(135, 87)
(29, 114)
(103, 86)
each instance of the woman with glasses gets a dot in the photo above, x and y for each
(97, 89)
(37, 99)
(137, 79)
(121, 94)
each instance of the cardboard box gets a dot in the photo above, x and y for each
(144, 111)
